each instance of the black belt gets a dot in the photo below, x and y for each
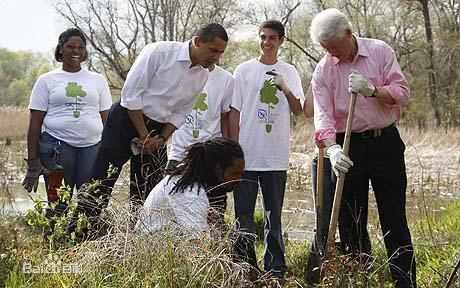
(370, 134)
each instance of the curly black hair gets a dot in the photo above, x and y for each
(200, 160)
(64, 37)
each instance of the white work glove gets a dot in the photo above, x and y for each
(278, 81)
(359, 84)
(339, 161)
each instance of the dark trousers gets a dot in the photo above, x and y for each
(381, 161)
(273, 184)
(114, 152)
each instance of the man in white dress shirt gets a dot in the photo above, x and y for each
(159, 92)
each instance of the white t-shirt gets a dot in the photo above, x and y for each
(185, 210)
(162, 84)
(203, 122)
(264, 114)
(72, 102)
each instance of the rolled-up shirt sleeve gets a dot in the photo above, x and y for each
(323, 107)
(138, 78)
(394, 82)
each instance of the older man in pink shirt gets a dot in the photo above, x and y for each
(368, 67)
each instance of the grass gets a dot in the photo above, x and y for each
(122, 258)
(14, 122)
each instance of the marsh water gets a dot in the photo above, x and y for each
(430, 179)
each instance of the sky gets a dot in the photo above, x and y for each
(28, 25)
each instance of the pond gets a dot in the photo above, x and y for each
(428, 184)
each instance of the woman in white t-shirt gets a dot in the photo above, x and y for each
(180, 201)
(72, 104)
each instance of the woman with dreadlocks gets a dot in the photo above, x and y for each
(180, 200)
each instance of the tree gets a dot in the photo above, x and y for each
(118, 30)
(431, 56)
(268, 96)
(200, 105)
(18, 73)
(74, 90)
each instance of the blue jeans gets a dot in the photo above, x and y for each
(76, 161)
(273, 184)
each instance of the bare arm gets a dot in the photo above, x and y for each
(384, 96)
(104, 114)
(224, 125)
(234, 124)
(294, 103)
(308, 104)
(137, 118)
(33, 133)
(167, 130)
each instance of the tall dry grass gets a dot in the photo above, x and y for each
(14, 122)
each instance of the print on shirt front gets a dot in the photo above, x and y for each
(197, 123)
(268, 96)
(75, 90)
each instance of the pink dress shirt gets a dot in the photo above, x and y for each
(377, 61)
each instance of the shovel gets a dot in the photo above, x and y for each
(313, 269)
(341, 179)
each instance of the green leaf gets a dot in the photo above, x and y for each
(268, 94)
(200, 103)
(74, 90)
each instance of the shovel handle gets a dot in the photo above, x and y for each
(319, 197)
(341, 178)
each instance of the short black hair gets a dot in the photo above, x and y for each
(200, 160)
(274, 25)
(209, 31)
(64, 37)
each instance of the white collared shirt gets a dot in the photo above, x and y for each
(162, 83)
(185, 210)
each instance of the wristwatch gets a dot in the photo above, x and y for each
(374, 94)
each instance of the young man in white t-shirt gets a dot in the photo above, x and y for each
(208, 119)
(260, 118)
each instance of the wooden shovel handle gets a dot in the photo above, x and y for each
(341, 178)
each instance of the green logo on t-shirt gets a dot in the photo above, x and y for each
(268, 96)
(200, 105)
(75, 90)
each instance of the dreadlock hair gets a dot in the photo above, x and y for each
(64, 37)
(200, 161)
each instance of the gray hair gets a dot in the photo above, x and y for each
(329, 24)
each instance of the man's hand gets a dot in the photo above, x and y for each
(339, 161)
(278, 81)
(359, 84)
(34, 170)
(150, 145)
